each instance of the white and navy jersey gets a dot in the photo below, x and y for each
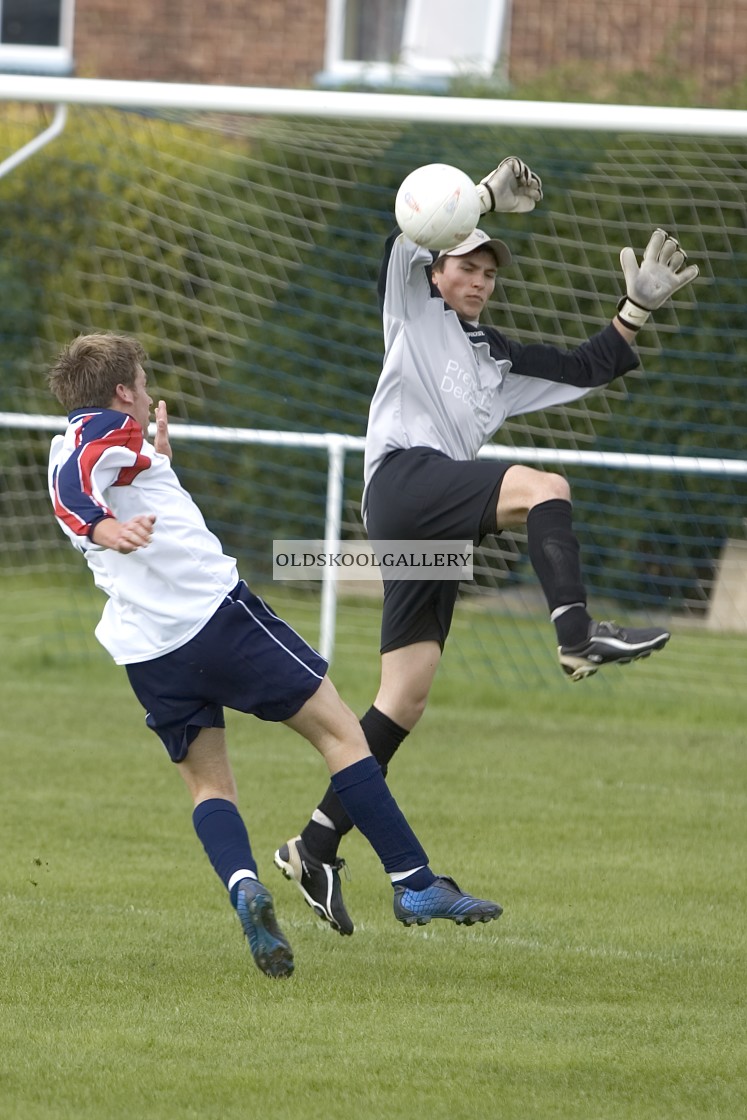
(449, 384)
(159, 596)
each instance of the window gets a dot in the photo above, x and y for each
(36, 36)
(412, 41)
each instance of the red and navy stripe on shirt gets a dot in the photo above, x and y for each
(97, 432)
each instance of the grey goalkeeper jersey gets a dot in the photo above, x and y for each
(450, 385)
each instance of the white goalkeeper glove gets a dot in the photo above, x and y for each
(512, 188)
(661, 273)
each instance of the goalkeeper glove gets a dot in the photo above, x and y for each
(659, 276)
(511, 188)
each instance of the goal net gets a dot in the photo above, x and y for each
(242, 248)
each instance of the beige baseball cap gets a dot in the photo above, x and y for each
(479, 240)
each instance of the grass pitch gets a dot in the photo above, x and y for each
(609, 821)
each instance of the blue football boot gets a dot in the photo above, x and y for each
(442, 899)
(271, 951)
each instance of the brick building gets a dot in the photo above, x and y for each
(705, 39)
(229, 42)
(292, 42)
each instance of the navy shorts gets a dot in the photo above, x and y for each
(422, 494)
(245, 658)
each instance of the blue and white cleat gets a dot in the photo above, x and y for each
(442, 899)
(270, 949)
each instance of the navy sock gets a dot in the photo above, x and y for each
(420, 880)
(370, 805)
(383, 736)
(224, 837)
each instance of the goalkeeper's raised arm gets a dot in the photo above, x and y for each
(662, 272)
(513, 188)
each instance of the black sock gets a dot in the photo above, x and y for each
(555, 555)
(383, 736)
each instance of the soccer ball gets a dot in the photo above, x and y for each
(437, 206)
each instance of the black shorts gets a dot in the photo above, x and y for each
(245, 657)
(422, 494)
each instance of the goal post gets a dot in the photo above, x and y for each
(237, 232)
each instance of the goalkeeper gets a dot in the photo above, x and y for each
(448, 384)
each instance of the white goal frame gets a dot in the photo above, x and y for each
(373, 106)
(62, 92)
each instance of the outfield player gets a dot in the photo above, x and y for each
(194, 639)
(447, 385)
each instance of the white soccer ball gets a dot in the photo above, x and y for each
(437, 206)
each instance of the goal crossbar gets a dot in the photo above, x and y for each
(374, 106)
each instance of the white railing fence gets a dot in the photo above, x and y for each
(336, 446)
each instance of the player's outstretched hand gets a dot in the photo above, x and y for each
(661, 273)
(161, 440)
(512, 188)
